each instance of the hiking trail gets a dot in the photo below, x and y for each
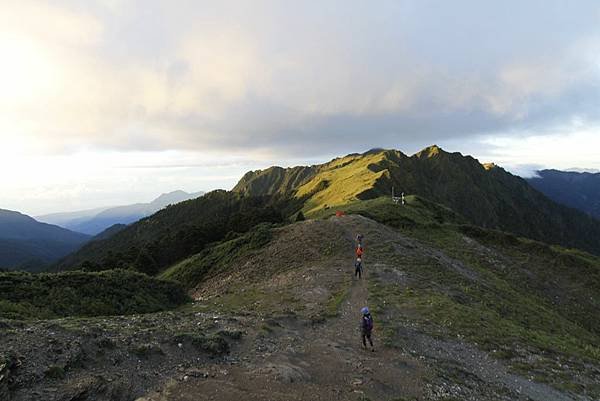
(326, 361)
(297, 303)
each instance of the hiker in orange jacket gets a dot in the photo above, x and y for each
(359, 252)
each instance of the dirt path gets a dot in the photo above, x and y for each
(296, 360)
(383, 374)
(299, 361)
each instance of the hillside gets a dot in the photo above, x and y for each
(579, 190)
(486, 195)
(27, 242)
(178, 231)
(275, 180)
(460, 313)
(95, 221)
(109, 232)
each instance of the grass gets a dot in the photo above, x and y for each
(525, 286)
(248, 299)
(332, 309)
(415, 212)
(232, 334)
(190, 272)
(343, 181)
(505, 304)
(510, 296)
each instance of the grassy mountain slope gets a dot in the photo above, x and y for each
(577, 190)
(177, 232)
(224, 257)
(520, 301)
(274, 180)
(487, 196)
(192, 270)
(527, 305)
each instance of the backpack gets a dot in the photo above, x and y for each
(368, 322)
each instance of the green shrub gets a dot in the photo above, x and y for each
(192, 271)
(111, 292)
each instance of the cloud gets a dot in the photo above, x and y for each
(304, 78)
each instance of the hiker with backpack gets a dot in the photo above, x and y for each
(358, 268)
(366, 328)
(359, 238)
(359, 251)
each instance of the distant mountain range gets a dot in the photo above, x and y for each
(28, 244)
(579, 190)
(95, 221)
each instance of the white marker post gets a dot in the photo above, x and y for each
(397, 199)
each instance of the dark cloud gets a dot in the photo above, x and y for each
(315, 78)
(460, 70)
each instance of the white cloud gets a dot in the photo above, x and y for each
(273, 79)
(84, 79)
(571, 147)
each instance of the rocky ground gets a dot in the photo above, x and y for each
(283, 326)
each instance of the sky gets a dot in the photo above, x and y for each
(112, 102)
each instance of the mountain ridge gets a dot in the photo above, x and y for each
(485, 194)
